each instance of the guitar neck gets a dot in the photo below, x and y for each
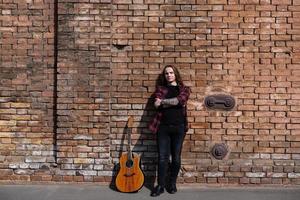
(129, 144)
(129, 130)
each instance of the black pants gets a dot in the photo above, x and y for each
(169, 140)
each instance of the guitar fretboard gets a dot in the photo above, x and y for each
(129, 155)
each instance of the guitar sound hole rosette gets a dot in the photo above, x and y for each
(129, 163)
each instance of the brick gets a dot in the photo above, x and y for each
(277, 2)
(19, 105)
(7, 123)
(213, 174)
(255, 175)
(293, 175)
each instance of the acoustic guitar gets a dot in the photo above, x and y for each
(130, 177)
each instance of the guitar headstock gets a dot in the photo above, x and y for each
(130, 122)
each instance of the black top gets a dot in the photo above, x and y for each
(172, 115)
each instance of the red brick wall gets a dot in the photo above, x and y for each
(109, 55)
(84, 62)
(26, 88)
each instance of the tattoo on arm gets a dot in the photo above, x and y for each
(172, 101)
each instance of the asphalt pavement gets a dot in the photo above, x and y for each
(185, 192)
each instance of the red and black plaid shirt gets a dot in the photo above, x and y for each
(161, 92)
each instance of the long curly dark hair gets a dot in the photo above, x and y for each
(162, 79)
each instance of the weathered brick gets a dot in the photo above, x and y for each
(256, 174)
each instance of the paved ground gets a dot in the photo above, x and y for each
(99, 192)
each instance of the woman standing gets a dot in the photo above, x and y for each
(170, 125)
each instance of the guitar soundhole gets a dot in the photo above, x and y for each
(129, 163)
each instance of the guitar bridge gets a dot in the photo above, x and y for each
(129, 175)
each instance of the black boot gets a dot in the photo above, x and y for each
(158, 190)
(172, 188)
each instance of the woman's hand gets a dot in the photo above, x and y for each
(157, 102)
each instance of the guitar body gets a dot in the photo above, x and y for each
(130, 177)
